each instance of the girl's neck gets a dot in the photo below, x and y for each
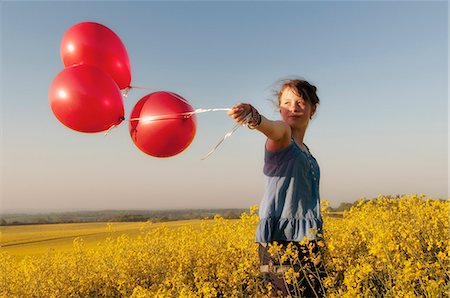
(298, 135)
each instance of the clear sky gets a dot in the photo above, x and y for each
(381, 69)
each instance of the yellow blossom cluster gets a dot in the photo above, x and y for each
(387, 247)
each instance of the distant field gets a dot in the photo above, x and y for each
(34, 240)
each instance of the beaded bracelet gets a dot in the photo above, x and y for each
(255, 120)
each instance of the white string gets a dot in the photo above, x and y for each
(110, 128)
(189, 114)
(179, 97)
(246, 119)
(176, 115)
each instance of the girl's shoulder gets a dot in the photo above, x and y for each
(278, 145)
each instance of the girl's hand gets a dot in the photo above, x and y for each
(239, 112)
(278, 133)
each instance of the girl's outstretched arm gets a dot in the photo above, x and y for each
(278, 133)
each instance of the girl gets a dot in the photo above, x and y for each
(290, 209)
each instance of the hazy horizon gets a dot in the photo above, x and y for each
(61, 210)
(44, 211)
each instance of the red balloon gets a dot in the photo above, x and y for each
(159, 125)
(94, 44)
(86, 99)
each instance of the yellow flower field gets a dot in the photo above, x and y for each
(388, 247)
(38, 239)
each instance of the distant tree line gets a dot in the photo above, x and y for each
(117, 216)
(344, 206)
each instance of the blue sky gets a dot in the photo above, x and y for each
(381, 69)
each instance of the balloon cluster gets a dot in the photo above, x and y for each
(86, 95)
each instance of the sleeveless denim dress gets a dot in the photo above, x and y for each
(290, 208)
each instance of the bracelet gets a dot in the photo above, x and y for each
(255, 120)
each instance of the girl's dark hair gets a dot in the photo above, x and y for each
(302, 88)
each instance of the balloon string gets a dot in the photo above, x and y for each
(139, 87)
(176, 115)
(127, 89)
(245, 122)
(109, 129)
(151, 89)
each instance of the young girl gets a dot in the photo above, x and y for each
(290, 209)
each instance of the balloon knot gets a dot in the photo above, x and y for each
(126, 90)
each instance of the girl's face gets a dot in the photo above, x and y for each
(294, 110)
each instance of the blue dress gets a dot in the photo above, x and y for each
(290, 208)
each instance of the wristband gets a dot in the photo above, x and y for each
(255, 119)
